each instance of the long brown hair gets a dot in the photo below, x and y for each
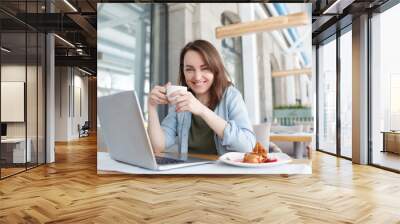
(213, 61)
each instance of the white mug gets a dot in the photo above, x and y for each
(171, 89)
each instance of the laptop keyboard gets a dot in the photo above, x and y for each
(165, 160)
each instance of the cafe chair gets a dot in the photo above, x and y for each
(84, 130)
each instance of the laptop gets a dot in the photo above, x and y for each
(123, 131)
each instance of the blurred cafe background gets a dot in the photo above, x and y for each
(139, 46)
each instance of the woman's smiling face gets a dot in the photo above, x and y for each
(198, 76)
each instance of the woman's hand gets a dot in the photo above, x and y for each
(158, 95)
(185, 101)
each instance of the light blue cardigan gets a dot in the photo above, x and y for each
(238, 133)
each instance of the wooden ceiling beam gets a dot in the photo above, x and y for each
(272, 23)
(302, 71)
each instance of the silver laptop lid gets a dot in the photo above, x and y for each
(122, 125)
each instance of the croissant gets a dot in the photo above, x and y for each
(251, 158)
(259, 155)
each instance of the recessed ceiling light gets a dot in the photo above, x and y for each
(337, 7)
(70, 5)
(64, 40)
(5, 50)
(84, 71)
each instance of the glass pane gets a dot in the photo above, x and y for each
(327, 97)
(13, 87)
(31, 89)
(123, 45)
(41, 99)
(31, 98)
(232, 52)
(346, 94)
(386, 89)
(122, 61)
(21, 92)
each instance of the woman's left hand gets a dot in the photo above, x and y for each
(185, 101)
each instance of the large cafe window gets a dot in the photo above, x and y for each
(385, 89)
(327, 97)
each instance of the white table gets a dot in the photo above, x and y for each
(106, 165)
(19, 155)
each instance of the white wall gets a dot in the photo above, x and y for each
(17, 73)
(33, 126)
(14, 73)
(70, 83)
(61, 102)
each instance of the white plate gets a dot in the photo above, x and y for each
(235, 158)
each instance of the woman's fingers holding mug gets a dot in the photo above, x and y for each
(163, 89)
(160, 95)
(160, 89)
(157, 96)
(153, 101)
(157, 100)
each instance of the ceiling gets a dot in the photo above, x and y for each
(333, 15)
(76, 22)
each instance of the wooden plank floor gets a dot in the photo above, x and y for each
(70, 191)
(10, 171)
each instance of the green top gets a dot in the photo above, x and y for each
(201, 137)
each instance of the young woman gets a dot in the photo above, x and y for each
(209, 118)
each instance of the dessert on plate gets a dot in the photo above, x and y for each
(258, 155)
